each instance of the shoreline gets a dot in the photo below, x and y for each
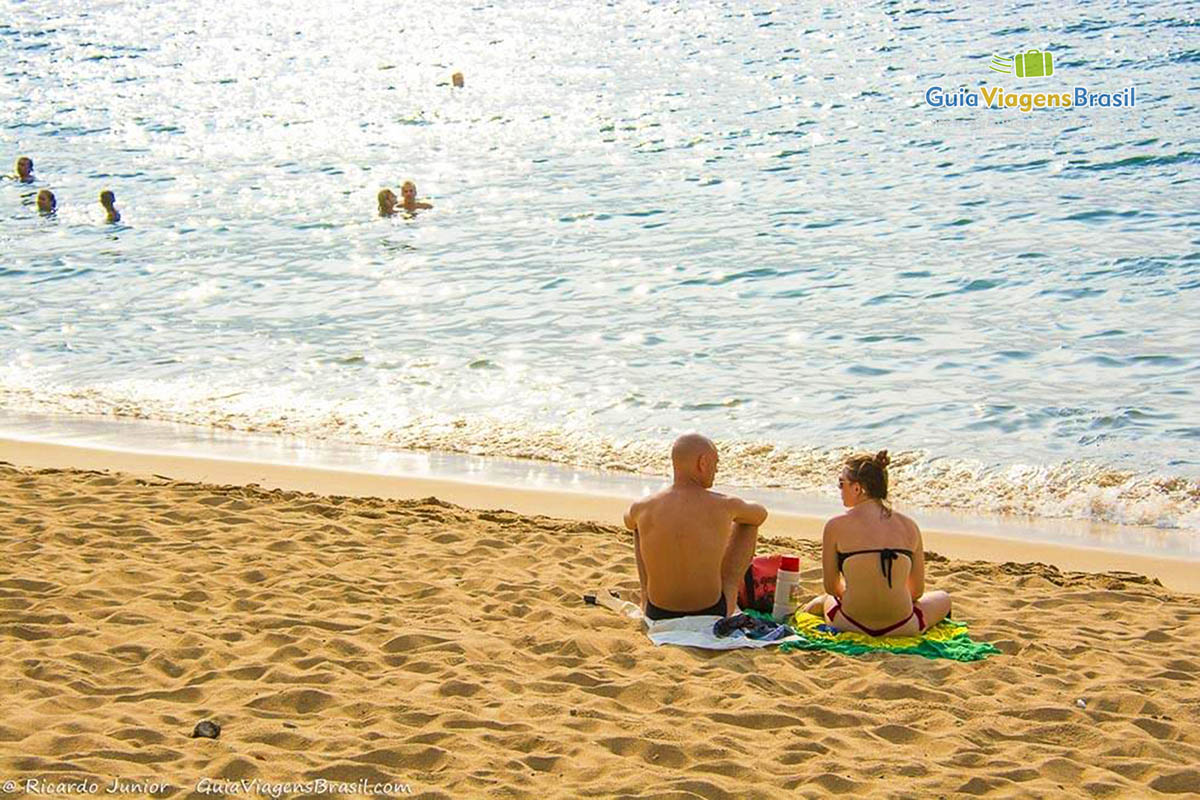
(1078, 495)
(1179, 572)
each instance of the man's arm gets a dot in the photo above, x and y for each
(631, 515)
(631, 522)
(747, 513)
(739, 552)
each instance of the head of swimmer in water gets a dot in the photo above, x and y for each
(24, 169)
(108, 200)
(865, 477)
(387, 202)
(457, 80)
(46, 203)
(409, 192)
(694, 460)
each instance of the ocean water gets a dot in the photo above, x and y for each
(740, 218)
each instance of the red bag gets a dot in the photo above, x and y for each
(757, 591)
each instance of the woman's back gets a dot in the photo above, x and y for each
(875, 552)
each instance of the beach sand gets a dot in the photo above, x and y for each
(446, 648)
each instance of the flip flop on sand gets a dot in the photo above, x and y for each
(613, 602)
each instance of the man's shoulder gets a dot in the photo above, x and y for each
(644, 502)
(711, 494)
(727, 505)
(731, 500)
(653, 497)
(671, 496)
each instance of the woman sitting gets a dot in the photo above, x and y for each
(873, 561)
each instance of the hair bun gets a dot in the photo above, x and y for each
(881, 458)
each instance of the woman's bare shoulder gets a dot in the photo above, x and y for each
(839, 521)
(836, 527)
(908, 522)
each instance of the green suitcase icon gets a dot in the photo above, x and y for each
(1034, 64)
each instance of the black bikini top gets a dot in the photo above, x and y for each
(886, 556)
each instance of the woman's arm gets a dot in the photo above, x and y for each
(831, 578)
(916, 576)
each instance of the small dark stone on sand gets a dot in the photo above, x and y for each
(206, 729)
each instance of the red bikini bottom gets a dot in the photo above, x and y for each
(837, 609)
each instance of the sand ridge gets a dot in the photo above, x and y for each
(447, 648)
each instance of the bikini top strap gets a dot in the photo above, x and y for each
(886, 558)
(887, 555)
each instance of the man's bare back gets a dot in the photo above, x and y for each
(692, 544)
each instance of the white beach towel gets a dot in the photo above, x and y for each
(697, 632)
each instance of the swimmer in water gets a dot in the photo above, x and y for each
(107, 199)
(387, 203)
(457, 80)
(409, 192)
(25, 169)
(46, 203)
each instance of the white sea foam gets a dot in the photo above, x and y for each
(1070, 489)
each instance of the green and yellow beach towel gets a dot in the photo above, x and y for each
(947, 639)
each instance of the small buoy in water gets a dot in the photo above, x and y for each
(206, 729)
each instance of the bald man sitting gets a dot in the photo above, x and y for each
(692, 544)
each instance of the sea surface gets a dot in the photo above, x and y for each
(739, 218)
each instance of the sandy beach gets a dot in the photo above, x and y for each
(445, 650)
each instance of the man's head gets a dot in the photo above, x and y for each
(107, 199)
(409, 192)
(694, 458)
(46, 202)
(457, 80)
(25, 168)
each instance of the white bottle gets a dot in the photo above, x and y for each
(787, 588)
